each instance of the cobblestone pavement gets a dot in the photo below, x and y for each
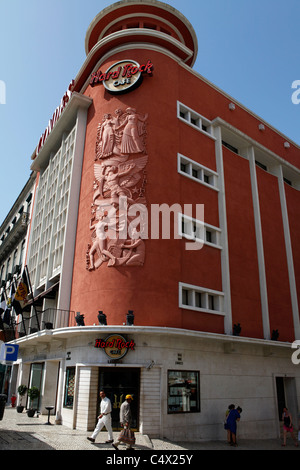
(18, 432)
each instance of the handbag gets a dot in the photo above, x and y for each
(127, 436)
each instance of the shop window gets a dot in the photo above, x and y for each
(183, 391)
(69, 387)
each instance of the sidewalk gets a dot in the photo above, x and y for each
(18, 432)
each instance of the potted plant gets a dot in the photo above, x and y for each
(22, 389)
(32, 393)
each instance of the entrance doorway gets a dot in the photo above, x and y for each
(286, 397)
(36, 380)
(117, 383)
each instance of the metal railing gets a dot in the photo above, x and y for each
(34, 321)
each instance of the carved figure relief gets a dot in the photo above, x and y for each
(119, 191)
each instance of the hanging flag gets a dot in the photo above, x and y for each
(2, 304)
(6, 316)
(20, 299)
(7, 313)
(11, 295)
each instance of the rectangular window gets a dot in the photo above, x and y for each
(261, 165)
(185, 296)
(197, 172)
(198, 301)
(183, 391)
(201, 299)
(194, 229)
(69, 387)
(194, 119)
(287, 181)
(230, 147)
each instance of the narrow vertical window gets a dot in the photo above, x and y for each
(69, 387)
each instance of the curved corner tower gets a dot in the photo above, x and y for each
(128, 254)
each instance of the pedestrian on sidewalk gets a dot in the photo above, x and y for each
(233, 417)
(230, 407)
(126, 436)
(288, 426)
(104, 419)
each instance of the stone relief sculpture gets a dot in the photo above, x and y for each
(119, 186)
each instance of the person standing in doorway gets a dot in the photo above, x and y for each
(104, 419)
(288, 426)
(126, 435)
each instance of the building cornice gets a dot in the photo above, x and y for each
(240, 105)
(252, 142)
(63, 334)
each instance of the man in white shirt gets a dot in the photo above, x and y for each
(104, 419)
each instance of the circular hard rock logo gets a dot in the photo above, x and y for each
(115, 346)
(122, 76)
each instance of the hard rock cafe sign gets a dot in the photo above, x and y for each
(123, 76)
(114, 346)
(119, 191)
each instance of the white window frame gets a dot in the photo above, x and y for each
(206, 298)
(203, 172)
(194, 119)
(197, 230)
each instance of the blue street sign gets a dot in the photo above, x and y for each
(9, 352)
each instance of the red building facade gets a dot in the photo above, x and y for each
(185, 113)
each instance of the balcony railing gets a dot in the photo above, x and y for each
(37, 321)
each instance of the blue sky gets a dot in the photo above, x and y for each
(248, 48)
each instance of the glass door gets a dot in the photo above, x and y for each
(36, 380)
(117, 383)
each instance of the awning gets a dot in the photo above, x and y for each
(48, 294)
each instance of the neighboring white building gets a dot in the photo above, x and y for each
(14, 233)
